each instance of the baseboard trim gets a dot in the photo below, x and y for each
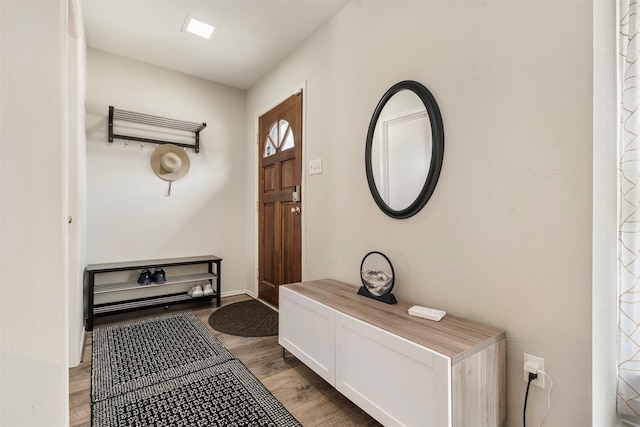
(234, 293)
(252, 295)
(76, 357)
(83, 339)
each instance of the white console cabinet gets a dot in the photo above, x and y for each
(402, 370)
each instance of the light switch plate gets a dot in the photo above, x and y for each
(315, 167)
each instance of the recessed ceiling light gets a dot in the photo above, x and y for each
(198, 28)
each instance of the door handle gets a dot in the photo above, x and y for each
(296, 210)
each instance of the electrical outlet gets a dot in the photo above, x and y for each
(534, 364)
(315, 167)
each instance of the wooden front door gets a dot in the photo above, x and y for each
(280, 195)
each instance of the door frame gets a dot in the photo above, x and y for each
(76, 182)
(256, 152)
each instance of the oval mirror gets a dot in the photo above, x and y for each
(404, 149)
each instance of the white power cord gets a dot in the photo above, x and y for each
(548, 395)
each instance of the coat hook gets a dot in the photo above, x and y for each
(141, 145)
(157, 146)
(126, 142)
(169, 190)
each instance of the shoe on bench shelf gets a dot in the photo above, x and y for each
(145, 277)
(207, 290)
(159, 276)
(195, 291)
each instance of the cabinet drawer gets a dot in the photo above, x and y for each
(395, 380)
(307, 329)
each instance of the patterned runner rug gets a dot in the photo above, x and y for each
(136, 354)
(223, 395)
(171, 371)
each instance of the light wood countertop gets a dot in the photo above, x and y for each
(452, 336)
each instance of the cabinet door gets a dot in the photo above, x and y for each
(395, 380)
(307, 329)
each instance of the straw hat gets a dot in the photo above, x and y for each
(170, 162)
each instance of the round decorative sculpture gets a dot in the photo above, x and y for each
(378, 277)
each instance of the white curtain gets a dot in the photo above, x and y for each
(628, 399)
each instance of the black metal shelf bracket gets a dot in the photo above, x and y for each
(154, 121)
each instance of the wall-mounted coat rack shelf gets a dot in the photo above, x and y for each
(154, 121)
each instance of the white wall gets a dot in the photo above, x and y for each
(33, 214)
(129, 217)
(506, 237)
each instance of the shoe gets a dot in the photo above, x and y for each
(207, 290)
(159, 276)
(196, 292)
(145, 277)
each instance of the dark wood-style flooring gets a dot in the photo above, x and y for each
(303, 393)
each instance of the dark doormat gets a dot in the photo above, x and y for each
(246, 319)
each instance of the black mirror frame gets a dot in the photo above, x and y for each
(437, 153)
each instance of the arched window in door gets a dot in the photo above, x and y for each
(279, 138)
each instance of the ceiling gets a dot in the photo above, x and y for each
(251, 36)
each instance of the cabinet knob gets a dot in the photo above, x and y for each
(295, 210)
